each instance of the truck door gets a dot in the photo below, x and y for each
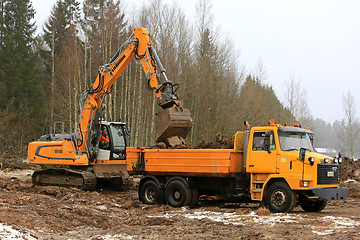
(259, 160)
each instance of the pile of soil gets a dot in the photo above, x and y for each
(221, 142)
(349, 169)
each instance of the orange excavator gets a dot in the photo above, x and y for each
(83, 149)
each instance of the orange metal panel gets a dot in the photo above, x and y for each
(55, 153)
(187, 162)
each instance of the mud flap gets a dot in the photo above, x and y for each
(331, 194)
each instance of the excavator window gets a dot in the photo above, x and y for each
(118, 141)
(104, 139)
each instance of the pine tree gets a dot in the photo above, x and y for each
(60, 50)
(258, 104)
(19, 82)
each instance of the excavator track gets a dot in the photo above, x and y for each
(65, 178)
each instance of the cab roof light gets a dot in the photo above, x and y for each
(296, 124)
(271, 121)
(285, 124)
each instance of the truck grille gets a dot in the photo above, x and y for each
(328, 174)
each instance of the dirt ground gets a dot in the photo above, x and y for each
(68, 213)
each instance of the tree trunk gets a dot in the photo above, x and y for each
(52, 80)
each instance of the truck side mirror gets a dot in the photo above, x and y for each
(267, 142)
(302, 153)
(339, 159)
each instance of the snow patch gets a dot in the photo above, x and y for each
(8, 233)
(326, 232)
(115, 237)
(236, 219)
(350, 180)
(341, 222)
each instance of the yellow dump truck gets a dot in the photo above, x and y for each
(272, 164)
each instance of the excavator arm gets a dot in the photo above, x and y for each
(81, 150)
(174, 121)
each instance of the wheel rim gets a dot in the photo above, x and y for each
(177, 194)
(278, 198)
(150, 194)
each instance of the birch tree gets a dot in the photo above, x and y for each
(295, 100)
(350, 132)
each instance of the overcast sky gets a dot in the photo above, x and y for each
(318, 42)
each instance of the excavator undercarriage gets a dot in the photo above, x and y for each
(65, 177)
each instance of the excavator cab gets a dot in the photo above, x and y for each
(112, 141)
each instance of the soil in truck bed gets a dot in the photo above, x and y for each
(221, 142)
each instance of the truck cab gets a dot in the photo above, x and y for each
(283, 165)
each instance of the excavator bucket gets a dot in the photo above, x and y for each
(174, 124)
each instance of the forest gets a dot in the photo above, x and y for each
(42, 76)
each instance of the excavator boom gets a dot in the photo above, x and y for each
(173, 120)
(81, 148)
(82, 151)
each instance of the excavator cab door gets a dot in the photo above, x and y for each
(113, 145)
(118, 142)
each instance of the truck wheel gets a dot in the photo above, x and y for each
(149, 193)
(194, 197)
(177, 194)
(315, 206)
(280, 198)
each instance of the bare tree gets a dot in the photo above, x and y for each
(350, 133)
(204, 15)
(295, 100)
(260, 71)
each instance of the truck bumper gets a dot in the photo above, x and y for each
(331, 193)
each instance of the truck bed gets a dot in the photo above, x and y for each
(184, 162)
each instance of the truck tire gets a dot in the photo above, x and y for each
(316, 206)
(280, 198)
(194, 197)
(177, 194)
(150, 193)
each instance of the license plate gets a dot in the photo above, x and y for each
(331, 174)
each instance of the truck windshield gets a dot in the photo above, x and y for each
(293, 141)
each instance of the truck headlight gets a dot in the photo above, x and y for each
(336, 160)
(326, 160)
(304, 183)
(340, 160)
